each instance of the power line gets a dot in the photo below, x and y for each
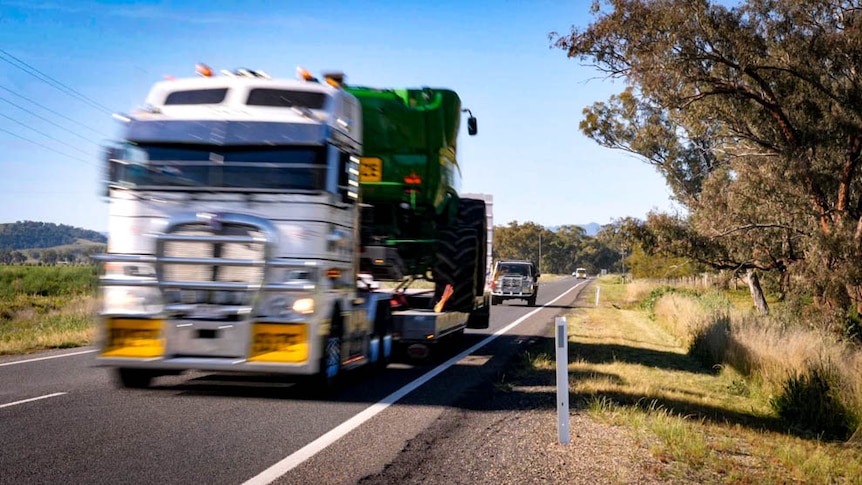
(51, 81)
(47, 120)
(73, 147)
(48, 148)
(61, 115)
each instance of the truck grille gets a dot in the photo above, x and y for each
(224, 260)
(511, 284)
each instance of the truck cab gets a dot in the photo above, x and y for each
(233, 220)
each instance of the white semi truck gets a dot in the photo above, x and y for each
(234, 240)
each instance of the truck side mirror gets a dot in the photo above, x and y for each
(472, 126)
(111, 155)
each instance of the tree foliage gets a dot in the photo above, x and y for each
(562, 251)
(753, 114)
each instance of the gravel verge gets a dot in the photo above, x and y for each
(507, 434)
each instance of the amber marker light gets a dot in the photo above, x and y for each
(203, 70)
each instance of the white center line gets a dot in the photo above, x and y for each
(292, 461)
(49, 357)
(32, 399)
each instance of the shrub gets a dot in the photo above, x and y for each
(709, 343)
(810, 404)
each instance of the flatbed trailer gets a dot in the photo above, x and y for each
(417, 327)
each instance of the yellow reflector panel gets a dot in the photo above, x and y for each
(134, 338)
(273, 342)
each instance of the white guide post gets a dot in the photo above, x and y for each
(562, 345)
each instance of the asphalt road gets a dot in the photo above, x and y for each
(63, 420)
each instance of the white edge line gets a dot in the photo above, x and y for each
(47, 358)
(296, 458)
(32, 399)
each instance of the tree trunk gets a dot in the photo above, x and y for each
(757, 292)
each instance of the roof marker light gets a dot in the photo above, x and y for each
(334, 79)
(203, 70)
(303, 74)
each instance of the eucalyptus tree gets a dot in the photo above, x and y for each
(753, 114)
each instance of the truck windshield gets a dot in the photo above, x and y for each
(248, 167)
(514, 270)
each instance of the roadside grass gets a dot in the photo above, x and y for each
(45, 308)
(706, 419)
(69, 325)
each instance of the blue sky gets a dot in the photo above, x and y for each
(529, 153)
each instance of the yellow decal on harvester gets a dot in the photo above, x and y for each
(370, 169)
(134, 338)
(275, 342)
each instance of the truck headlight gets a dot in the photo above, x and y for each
(280, 305)
(131, 300)
(304, 306)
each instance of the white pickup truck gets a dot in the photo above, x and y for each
(514, 280)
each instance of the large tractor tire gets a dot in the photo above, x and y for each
(455, 265)
(461, 254)
(472, 214)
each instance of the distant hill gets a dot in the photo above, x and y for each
(38, 235)
(592, 228)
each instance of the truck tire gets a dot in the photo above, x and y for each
(456, 265)
(531, 301)
(135, 378)
(496, 300)
(325, 382)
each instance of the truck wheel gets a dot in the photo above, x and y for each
(383, 332)
(532, 300)
(496, 300)
(135, 378)
(325, 381)
(456, 265)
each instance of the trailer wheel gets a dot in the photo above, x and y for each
(383, 331)
(480, 317)
(135, 378)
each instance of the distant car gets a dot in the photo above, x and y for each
(580, 273)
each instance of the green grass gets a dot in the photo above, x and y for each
(46, 280)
